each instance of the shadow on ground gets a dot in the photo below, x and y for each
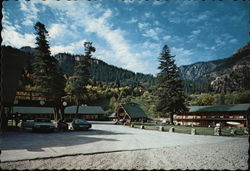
(31, 141)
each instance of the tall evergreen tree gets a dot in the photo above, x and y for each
(81, 76)
(171, 98)
(48, 76)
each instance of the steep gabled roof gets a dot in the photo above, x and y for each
(220, 108)
(84, 110)
(33, 110)
(134, 111)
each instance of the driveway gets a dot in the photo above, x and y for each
(101, 138)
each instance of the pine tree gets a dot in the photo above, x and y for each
(171, 98)
(48, 76)
(81, 77)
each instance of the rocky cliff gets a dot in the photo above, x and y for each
(225, 75)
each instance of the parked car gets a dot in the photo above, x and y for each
(43, 124)
(27, 124)
(80, 124)
(61, 125)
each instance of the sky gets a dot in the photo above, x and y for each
(131, 33)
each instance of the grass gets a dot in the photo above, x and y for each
(187, 130)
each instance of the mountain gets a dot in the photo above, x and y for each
(105, 73)
(28, 49)
(222, 76)
(101, 71)
(197, 70)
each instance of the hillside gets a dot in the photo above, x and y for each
(101, 71)
(105, 73)
(225, 75)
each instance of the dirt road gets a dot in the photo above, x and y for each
(142, 149)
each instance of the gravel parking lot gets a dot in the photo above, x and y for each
(120, 147)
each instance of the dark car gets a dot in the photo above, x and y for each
(27, 124)
(43, 124)
(62, 126)
(80, 124)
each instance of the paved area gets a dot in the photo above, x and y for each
(101, 138)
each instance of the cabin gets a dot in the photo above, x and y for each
(84, 112)
(130, 112)
(226, 115)
(30, 113)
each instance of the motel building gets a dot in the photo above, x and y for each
(31, 113)
(85, 112)
(226, 115)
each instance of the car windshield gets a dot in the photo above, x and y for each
(80, 121)
(42, 120)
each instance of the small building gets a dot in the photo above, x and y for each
(227, 115)
(30, 113)
(84, 112)
(130, 112)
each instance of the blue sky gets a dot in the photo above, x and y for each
(131, 34)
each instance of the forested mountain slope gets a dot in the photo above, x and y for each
(225, 75)
(101, 71)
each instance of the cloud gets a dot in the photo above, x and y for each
(158, 2)
(150, 45)
(132, 20)
(164, 13)
(143, 25)
(182, 56)
(183, 6)
(129, 1)
(13, 38)
(174, 39)
(224, 38)
(157, 23)
(175, 19)
(220, 42)
(198, 18)
(61, 33)
(152, 33)
(233, 41)
(167, 37)
(206, 47)
(194, 34)
(30, 11)
(74, 48)
(149, 15)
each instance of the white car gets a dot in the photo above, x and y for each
(43, 124)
